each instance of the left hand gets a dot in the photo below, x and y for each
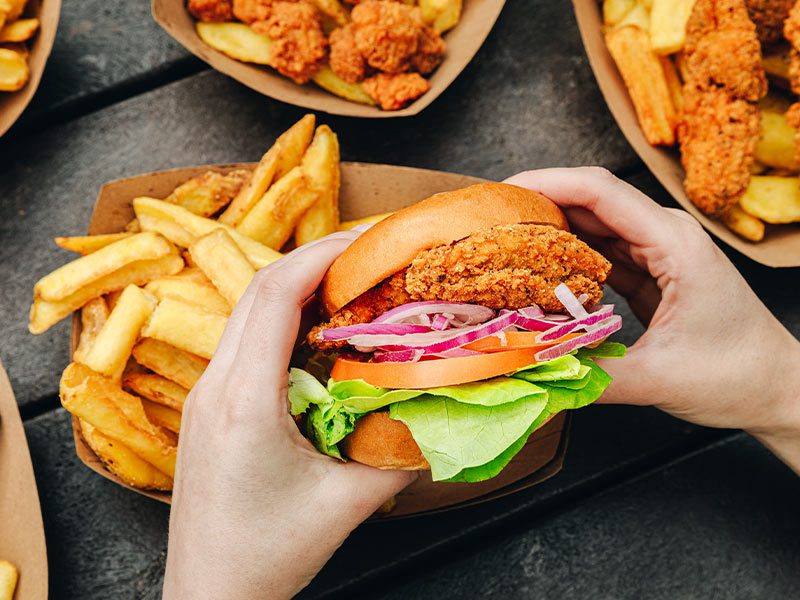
(256, 510)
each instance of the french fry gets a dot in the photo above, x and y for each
(194, 274)
(321, 168)
(442, 15)
(615, 10)
(94, 315)
(773, 199)
(224, 264)
(100, 402)
(8, 580)
(673, 82)
(207, 194)
(18, 47)
(332, 9)
(328, 80)
(14, 70)
(112, 347)
(370, 220)
(285, 154)
(777, 65)
(124, 462)
(133, 226)
(86, 244)
(12, 9)
(19, 31)
(258, 254)
(236, 40)
(272, 220)
(638, 16)
(743, 224)
(157, 389)
(668, 25)
(186, 326)
(164, 416)
(776, 147)
(644, 77)
(112, 297)
(170, 362)
(186, 290)
(79, 273)
(45, 314)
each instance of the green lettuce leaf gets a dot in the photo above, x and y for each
(327, 426)
(604, 350)
(560, 397)
(305, 390)
(564, 367)
(454, 436)
(359, 396)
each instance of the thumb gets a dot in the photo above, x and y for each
(368, 488)
(633, 380)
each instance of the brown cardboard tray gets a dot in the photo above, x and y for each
(366, 189)
(463, 42)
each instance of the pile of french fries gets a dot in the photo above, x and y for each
(14, 33)
(240, 42)
(645, 38)
(154, 299)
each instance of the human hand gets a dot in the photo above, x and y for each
(712, 354)
(256, 510)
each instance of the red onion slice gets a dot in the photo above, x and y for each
(455, 353)
(594, 334)
(468, 314)
(531, 312)
(442, 321)
(399, 356)
(343, 333)
(570, 302)
(552, 334)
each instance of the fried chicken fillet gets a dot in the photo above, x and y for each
(508, 266)
(720, 124)
(210, 11)
(387, 34)
(768, 17)
(393, 92)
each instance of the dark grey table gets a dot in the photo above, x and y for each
(646, 506)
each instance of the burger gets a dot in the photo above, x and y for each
(452, 331)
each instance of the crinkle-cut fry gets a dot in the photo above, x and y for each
(85, 270)
(647, 85)
(44, 314)
(170, 362)
(124, 462)
(258, 254)
(103, 404)
(186, 326)
(224, 264)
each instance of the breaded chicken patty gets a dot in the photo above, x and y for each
(508, 266)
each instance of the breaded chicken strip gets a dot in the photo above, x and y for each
(430, 51)
(210, 11)
(298, 42)
(345, 59)
(509, 266)
(722, 49)
(393, 92)
(768, 17)
(387, 34)
(791, 31)
(250, 11)
(717, 136)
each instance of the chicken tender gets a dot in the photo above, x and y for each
(717, 137)
(791, 31)
(508, 266)
(210, 11)
(430, 51)
(768, 17)
(250, 11)
(345, 59)
(393, 92)
(722, 49)
(298, 42)
(387, 34)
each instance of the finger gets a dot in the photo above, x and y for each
(584, 223)
(626, 211)
(632, 378)
(373, 487)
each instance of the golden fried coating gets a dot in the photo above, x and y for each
(717, 136)
(768, 17)
(210, 11)
(345, 59)
(393, 92)
(430, 51)
(508, 266)
(722, 49)
(250, 11)
(298, 42)
(387, 34)
(791, 31)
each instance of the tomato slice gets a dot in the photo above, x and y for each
(433, 373)
(514, 340)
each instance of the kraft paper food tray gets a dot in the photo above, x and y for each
(366, 189)
(781, 245)
(463, 41)
(13, 103)
(21, 531)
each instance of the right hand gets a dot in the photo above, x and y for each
(712, 354)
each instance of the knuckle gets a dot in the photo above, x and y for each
(270, 288)
(601, 173)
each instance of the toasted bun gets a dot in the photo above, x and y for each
(378, 441)
(392, 244)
